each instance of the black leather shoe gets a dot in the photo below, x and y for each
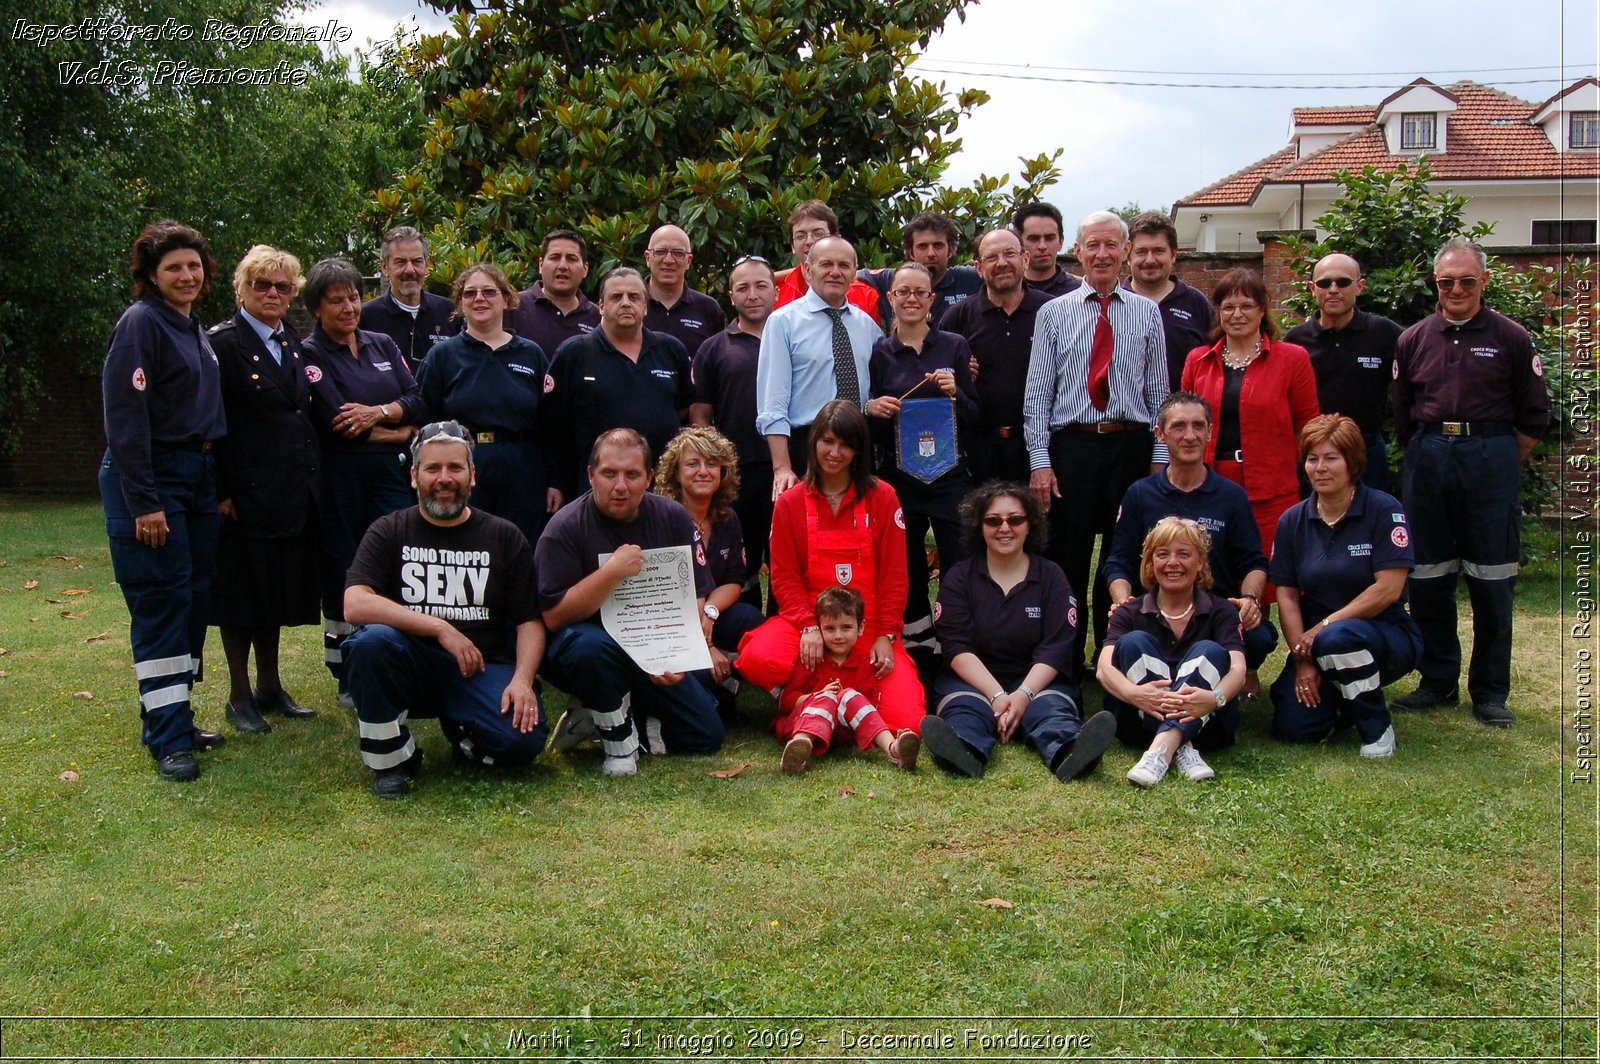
(206, 740)
(180, 767)
(243, 716)
(280, 702)
(1094, 739)
(1494, 714)
(949, 750)
(396, 782)
(1422, 698)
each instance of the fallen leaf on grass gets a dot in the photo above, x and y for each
(97, 638)
(3, 674)
(68, 776)
(995, 903)
(63, 557)
(56, 602)
(846, 791)
(87, 696)
(4, 652)
(69, 615)
(77, 591)
(729, 773)
(29, 585)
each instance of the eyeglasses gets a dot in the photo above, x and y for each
(1000, 256)
(919, 294)
(453, 429)
(1227, 310)
(1008, 520)
(1326, 283)
(469, 294)
(669, 253)
(262, 286)
(1447, 283)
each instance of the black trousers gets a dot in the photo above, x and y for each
(1093, 472)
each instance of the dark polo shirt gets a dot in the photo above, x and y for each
(539, 320)
(1214, 618)
(1186, 318)
(1353, 366)
(1035, 622)
(1481, 370)
(725, 378)
(594, 387)
(1218, 503)
(692, 320)
(1058, 285)
(1002, 343)
(414, 334)
(1331, 566)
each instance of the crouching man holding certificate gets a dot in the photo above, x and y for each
(628, 631)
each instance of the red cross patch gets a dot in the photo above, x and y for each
(1399, 536)
(139, 379)
(313, 374)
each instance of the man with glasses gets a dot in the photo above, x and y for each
(675, 308)
(812, 351)
(810, 222)
(444, 599)
(997, 322)
(414, 318)
(1352, 354)
(554, 309)
(725, 396)
(1471, 402)
(1185, 311)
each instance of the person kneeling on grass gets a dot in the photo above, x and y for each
(838, 689)
(1006, 618)
(444, 599)
(1173, 662)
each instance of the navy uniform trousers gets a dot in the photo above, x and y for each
(1358, 659)
(167, 588)
(1050, 724)
(1462, 496)
(1139, 656)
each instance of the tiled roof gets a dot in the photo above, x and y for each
(1334, 116)
(1488, 137)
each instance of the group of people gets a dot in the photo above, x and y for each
(458, 485)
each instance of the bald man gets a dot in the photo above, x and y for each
(1352, 354)
(674, 308)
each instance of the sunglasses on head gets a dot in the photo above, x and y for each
(1326, 283)
(453, 429)
(1009, 520)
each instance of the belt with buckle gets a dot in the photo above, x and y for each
(501, 437)
(1237, 457)
(1466, 428)
(1101, 427)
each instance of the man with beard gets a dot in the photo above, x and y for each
(998, 324)
(413, 318)
(554, 309)
(931, 240)
(444, 599)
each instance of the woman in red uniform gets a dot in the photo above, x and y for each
(1263, 391)
(839, 527)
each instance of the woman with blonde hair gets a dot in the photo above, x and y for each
(1173, 659)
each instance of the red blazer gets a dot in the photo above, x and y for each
(1278, 397)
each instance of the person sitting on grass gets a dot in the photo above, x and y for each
(1174, 657)
(839, 693)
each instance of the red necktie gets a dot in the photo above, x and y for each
(1100, 356)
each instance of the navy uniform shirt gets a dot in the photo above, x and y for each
(692, 320)
(1331, 566)
(1218, 503)
(579, 533)
(160, 387)
(957, 284)
(724, 373)
(1481, 370)
(725, 555)
(377, 378)
(1002, 343)
(414, 334)
(486, 389)
(539, 320)
(1034, 623)
(895, 369)
(1353, 366)
(1058, 285)
(1186, 317)
(477, 575)
(595, 387)
(1214, 618)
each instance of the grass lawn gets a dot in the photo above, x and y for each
(1304, 904)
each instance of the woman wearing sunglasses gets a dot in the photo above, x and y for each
(269, 481)
(1006, 618)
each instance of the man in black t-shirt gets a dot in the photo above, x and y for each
(444, 597)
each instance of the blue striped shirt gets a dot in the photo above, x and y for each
(1057, 390)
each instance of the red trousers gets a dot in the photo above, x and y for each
(821, 715)
(767, 656)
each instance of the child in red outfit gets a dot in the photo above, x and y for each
(839, 692)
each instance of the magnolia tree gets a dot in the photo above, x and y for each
(615, 116)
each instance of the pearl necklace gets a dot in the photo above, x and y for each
(1233, 361)
(1176, 616)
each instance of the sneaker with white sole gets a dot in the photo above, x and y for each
(620, 766)
(575, 728)
(1382, 746)
(1191, 764)
(1148, 772)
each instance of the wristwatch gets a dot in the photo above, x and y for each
(712, 611)
(1222, 699)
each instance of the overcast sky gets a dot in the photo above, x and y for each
(1154, 143)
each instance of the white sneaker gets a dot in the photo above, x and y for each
(1381, 747)
(620, 766)
(1148, 772)
(575, 728)
(1191, 764)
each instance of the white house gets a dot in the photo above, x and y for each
(1531, 168)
